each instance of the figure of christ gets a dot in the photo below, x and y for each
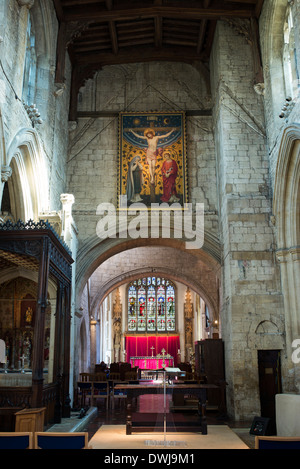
(169, 172)
(152, 151)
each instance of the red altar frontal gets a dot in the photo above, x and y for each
(152, 363)
(151, 352)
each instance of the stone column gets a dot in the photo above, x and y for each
(250, 278)
(93, 355)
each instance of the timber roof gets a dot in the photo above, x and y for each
(107, 32)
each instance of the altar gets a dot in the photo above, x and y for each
(138, 421)
(151, 363)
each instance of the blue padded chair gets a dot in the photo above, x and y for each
(16, 440)
(277, 442)
(61, 440)
(100, 390)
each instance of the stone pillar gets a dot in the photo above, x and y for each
(93, 354)
(117, 326)
(289, 260)
(250, 278)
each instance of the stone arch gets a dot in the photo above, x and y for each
(95, 251)
(13, 272)
(28, 185)
(286, 207)
(267, 327)
(286, 204)
(44, 28)
(91, 258)
(272, 54)
(43, 64)
(268, 336)
(128, 277)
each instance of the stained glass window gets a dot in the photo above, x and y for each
(151, 305)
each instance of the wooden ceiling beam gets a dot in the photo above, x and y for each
(145, 54)
(248, 2)
(135, 28)
(72, 3)
(93, 37)
(99, 14)
(109, 4)
(137, 34)
(59, 10)
(158, 31)
(113, 37)
(258, 8)
(201, 36)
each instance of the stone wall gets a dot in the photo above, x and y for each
(52, 135)
(93, 149)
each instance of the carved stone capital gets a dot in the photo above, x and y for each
(6, 173)
(26, 3)
(67, 200)
(259, 88)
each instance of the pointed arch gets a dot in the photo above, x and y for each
(286, 206)
(286, 203)
(28, 185)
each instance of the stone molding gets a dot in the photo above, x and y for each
(6, 173)
(26, 3)
(288, 254)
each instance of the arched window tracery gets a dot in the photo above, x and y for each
(291, 73)
(151, 305)
(29, 79)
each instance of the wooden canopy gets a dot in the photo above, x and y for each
(36, 246)
(107, 32)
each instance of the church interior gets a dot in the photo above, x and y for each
(149, 223)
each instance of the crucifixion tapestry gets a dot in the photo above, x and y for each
(152, 158)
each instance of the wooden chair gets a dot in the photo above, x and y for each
(84, 391)
(130, 375)
(116, 393)
(100, 390)
(84, 377)
(114, 376)
(61, 440)
(16, 440)
(99, 377)
(114, 368)
(124, 368)
(277, 442)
